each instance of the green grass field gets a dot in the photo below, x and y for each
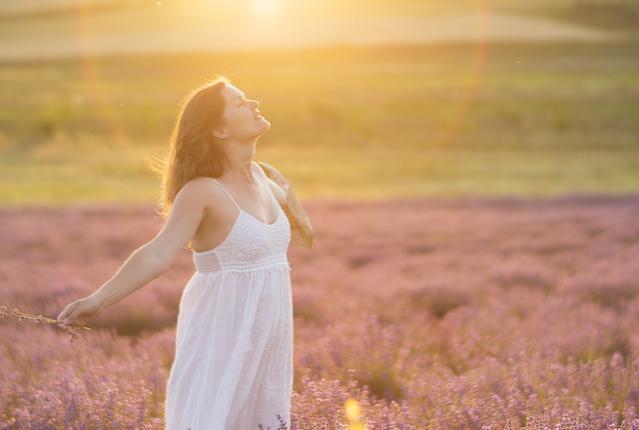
(450, 119)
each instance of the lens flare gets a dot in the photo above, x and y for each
(353, 414)
(95, 88)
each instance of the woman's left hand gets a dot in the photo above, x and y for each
(276, 176)
(301, 228)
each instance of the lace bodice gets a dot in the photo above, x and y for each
(251, 244)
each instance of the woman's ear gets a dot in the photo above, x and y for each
(220, 133)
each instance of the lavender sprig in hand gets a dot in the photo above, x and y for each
(39, 319)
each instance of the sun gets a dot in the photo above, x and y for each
(266, 7)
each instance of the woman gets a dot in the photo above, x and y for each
(233, 365)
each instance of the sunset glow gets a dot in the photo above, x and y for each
(266, 7)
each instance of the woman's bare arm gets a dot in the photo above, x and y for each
(156, 257)
(150, 260)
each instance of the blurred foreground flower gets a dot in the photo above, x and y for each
(39, 319)
(353, 415)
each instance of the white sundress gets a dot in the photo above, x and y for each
(233, 366)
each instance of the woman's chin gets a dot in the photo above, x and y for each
(263, 127)
(265, 122)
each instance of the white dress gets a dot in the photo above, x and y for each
(233, 366)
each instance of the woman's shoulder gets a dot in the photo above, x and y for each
(203, 188)
(199, 184)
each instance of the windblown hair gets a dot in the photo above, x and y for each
(193, 150)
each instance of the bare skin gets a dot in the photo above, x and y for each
(202, 212)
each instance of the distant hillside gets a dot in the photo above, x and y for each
(63, 28)
(32, 8)
(604, 14)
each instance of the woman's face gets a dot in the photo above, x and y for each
(242, 119)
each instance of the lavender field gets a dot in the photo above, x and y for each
(434, 313)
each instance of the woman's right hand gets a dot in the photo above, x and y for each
(76, 312)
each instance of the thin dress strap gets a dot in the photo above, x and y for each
(228, 193)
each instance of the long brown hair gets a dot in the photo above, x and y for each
(193, 150)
